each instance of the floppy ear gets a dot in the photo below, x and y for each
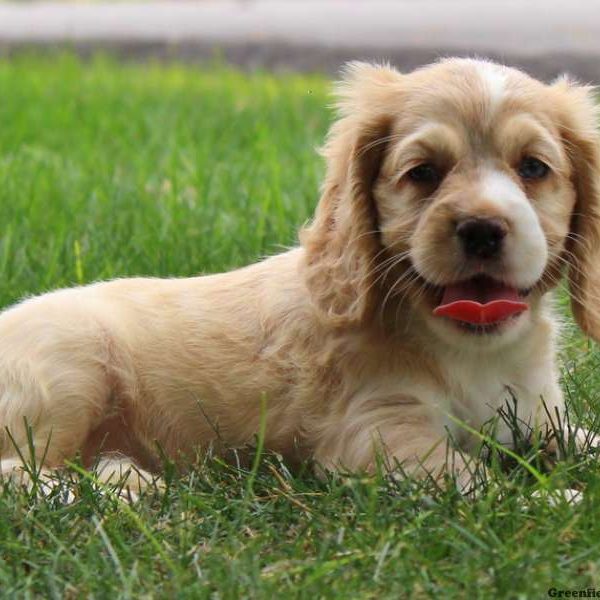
(580, 132)
(342, 242)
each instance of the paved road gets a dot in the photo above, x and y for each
(545, 36)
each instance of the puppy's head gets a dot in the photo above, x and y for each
(463, 189)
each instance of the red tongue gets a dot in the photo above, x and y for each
(480, 302)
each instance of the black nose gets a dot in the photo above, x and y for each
(480, 237)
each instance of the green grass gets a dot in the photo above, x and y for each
(109, 171)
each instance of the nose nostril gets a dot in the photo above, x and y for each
(481, 237)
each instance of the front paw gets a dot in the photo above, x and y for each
(582, 441)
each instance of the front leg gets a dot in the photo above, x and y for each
(403, 431)
(560, 431)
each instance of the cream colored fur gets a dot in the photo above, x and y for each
(336, 335)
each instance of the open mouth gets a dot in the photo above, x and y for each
(481, 304)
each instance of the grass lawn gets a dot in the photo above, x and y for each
(110, 171)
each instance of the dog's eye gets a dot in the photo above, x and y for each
(532, 168)
(425, 173)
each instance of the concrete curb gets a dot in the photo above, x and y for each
(546, 37)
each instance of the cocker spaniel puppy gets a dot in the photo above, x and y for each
(419, 297)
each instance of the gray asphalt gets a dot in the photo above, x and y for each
(546, 37)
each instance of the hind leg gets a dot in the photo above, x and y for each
(113, 474)
(54, 381)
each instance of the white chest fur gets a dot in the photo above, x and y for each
(522, 377)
